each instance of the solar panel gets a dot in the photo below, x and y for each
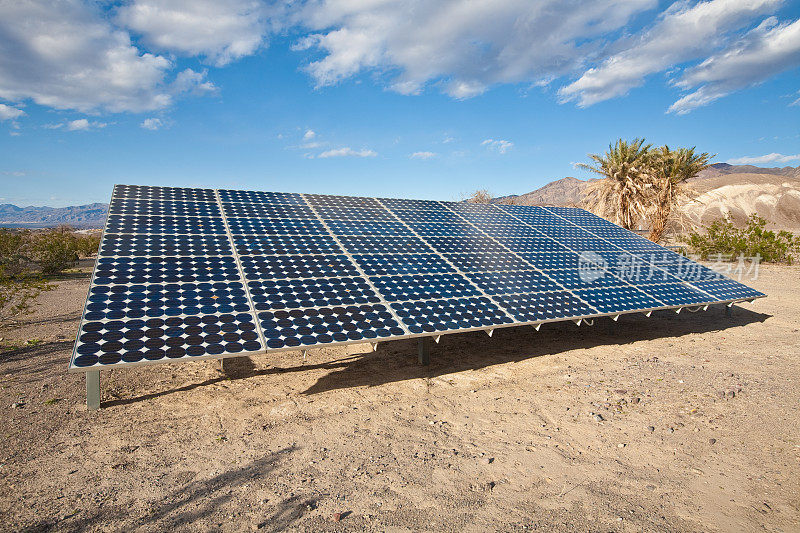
(187, 273)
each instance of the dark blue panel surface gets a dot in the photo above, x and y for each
(261, 197)
(147, 192)
(164, 245)
(587, 276)
(164, 224)
(158, 300)
(116, 271)
(428, 216)
(156, 339)
(518, 231)
(381, 265)
(536, 307)
(296, 266)
(275, 226)
(330, 212)
(430, 316)
(617, 299)
(137, 206)
(532, 244)
(375, 227)
(341, 201)
(434, 229)
(321, 292)
(402, 203)
(727, 289)
(256, 210)
(676, 294)
(466, 245)
(423, 286)
(285, 244)
(485, 262)
(381, 244)
(307, 327)
(512, 282)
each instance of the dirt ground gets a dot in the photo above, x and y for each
(698, 430)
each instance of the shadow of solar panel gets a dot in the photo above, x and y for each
(197, 273)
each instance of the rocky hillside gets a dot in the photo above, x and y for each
(78, 216)
(736, 191)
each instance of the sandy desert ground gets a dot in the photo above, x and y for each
(684, 422)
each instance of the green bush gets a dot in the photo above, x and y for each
(723, 239)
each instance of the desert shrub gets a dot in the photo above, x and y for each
(87, 245)
(55, 250)
(723, 239)
(480, 196)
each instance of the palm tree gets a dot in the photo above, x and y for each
(670, 171)
(623, 193)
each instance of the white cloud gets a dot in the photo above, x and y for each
(312, 145)
(683, 32)
(81, 124)
(347, 152)
(762, 159)
(423, 155)
(15, 173)
(66, 55)
(499, 145)
(220, 31)
(152, 124)
(464, 45)
(9, 113)
(308, 135)
(769, 49)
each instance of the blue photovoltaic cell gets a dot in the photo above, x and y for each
(121, 206)
(285, 244)
(278, 226)
(164, 245)
(296, 266)
(449, 315)
(513, 281)
(256, 210)
(423, 286)
(325, 325)
(381, 265)
(536, 307)
(320, 292)
(380, 244)
(164, 224)
(621, 298)
(175, 279)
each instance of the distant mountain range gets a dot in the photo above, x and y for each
(723, 189)
(77, 216)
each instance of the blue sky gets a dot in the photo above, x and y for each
(408, 99)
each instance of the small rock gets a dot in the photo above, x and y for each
(598, 417)
(636, 400)
(712, 441)
(621, 391)
(487, 487)
(651, 428)
(670, 430)
(337, 517)
(650, 487)
(18, 405)
(487, 460)
(730, 394)
(621, 445)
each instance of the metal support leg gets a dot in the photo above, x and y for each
(424, 351)
(729, 311)
(92, 390)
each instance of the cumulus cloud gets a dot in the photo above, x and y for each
(219, 31)
(8, 112)
(308, 135)
(152, 124)
(347, 152)
(423, 155)
(683, 32)
(463, 45)
(81, 124)
(66, 55)
(768, 50)
(499, 145)
(762, 159)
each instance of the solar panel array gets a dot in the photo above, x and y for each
(188, 273)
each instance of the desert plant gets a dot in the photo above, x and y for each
(55, 250)
(670, 169)
(623, 193)
(481, 196)
(722, 239)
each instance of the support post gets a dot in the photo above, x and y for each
(728, 311)
(92, 390)
(424, 351)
